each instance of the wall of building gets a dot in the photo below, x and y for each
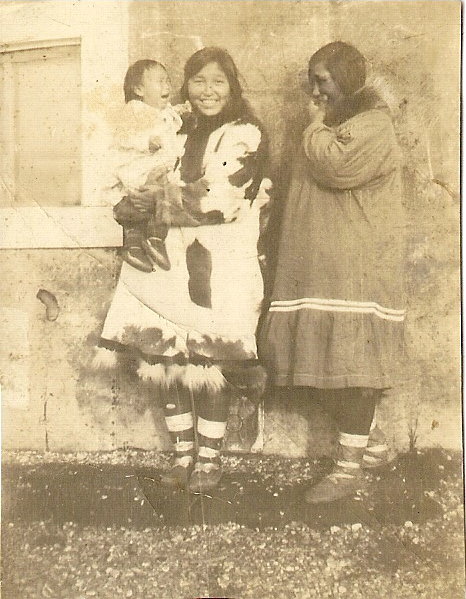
(414, 52)
(52, 399)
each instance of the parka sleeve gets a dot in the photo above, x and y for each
(352, 155)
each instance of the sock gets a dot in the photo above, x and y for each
(377, 452)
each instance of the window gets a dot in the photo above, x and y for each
(40, 132)
(55, 75)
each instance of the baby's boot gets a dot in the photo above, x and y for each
(132, 250)
(154, 245)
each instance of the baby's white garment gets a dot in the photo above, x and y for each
(133, 158)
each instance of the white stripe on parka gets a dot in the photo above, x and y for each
(333, 305)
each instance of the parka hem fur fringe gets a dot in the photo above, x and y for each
(104, 359)
(194, 378)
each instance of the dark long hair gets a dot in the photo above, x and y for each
(348, 69)
(134, 77)
(237, 107)
(344, 62)
(237, 110)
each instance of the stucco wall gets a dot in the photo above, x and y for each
(51, 400)
(414, 49)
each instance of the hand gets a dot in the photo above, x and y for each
(197, 189)
(157, 176)
(317, 110)
(183, 108)
(144, 199)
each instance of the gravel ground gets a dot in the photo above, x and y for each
(379, 554)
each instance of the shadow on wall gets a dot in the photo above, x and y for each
(285, 143)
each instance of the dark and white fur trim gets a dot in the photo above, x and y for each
(194, 378)
(104, 358)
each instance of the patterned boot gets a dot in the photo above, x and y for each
(178, 475)
(179, 420)
(377, 452)
(154, 244)
(205, 476)
(157, 252)
(207, 470)
(132, 251)
(346, 477)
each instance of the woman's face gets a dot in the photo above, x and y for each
(324, 89)
(209, 90)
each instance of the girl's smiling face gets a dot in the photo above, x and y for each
(209, 90)
(155, 87)
(324, 89)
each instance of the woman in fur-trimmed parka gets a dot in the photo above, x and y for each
(336, 317)
(192, 328)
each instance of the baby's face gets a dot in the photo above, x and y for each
(155, 88)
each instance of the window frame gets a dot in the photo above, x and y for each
(95, 27)
(7, 99)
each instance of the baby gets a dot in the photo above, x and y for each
(147, 148)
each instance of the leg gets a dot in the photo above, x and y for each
(134, 225)
(179, 419)
(353, 410)
(327, 401)
(211, 427)
(377, 452)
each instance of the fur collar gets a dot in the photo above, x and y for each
(361, 101)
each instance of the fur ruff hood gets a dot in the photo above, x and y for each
(367, 98)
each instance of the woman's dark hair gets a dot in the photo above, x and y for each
(344, 62)
(134, 77)
(347, 66)
(238, 107)
(199, 128)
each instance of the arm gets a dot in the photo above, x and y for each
(352, 155)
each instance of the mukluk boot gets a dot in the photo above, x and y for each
(212, 403)
(154, 244)
(179, 474)
(132, 250)
(208, 470)
(346, 477)
(377, 452)
(180, 425)
(205, 476)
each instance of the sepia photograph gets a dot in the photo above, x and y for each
(230, 299)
